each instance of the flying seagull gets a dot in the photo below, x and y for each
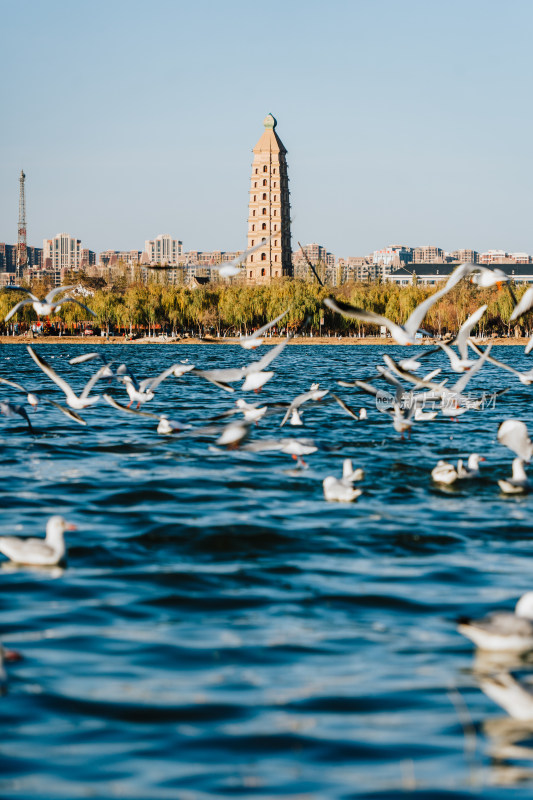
(47, 306)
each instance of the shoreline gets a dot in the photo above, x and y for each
(298, 340)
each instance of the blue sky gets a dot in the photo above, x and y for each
(406, 121)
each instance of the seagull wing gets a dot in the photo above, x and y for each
(16, 308)
(494, 361)
(52, 374)
(153, 383)
(526, 301)
(67, 411)
(233, 267)
(345, 407)
(13, 384)
(417, 317)
(466, 328)
(73, 300)
(353, 312)
(269, 325)
(460, 385)
(86, 357)
(513, 434)
(119, 407)
(50, 296)
(258, 366)
(21, 289)
(91, 382)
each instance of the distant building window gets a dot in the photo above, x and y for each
(263, 271)
(275, 197)
(275, 243)
(265, 168)
(251, 258)
(265, 182)
(275, 212)
(263, 256)
(265, 211)
(264, 226)
(253, 227)
(275, 227)
(256, 171)
(275, 259)
(255, 184)
(251, 270)
(277, 273)
(264, 196)
(253, 213)
(255, 197)
(253, 242)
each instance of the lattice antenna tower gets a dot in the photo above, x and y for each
(22, 247)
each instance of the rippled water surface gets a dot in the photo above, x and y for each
(221, 630)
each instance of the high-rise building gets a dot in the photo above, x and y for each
(164, 250)
(269, 209)
(62, 252)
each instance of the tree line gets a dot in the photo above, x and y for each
(228, 309)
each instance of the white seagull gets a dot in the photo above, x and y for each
(513, 434)
(518, 483)
(45, 552)
(403, 334)
(46, 306)
(446, 473)
(75, 402)
(503, 630)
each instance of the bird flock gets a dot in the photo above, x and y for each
(401, 392)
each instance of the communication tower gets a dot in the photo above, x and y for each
(22, 248)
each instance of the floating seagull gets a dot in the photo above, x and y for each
(518, 483)
(47, 306)
(403, 334)
(75, 402)
(503, 630)
(513, 695)
(513, 434)
(13, 410)
(342, 490)
(254, 340)
(339, 491)
(471, 470)
(45, 552)
(446, 473)
(351, 474)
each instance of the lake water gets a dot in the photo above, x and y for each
(221, 630)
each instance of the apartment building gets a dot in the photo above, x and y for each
(428, 254)
(163, 250)
(62, 252)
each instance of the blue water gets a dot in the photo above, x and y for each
(222, 631)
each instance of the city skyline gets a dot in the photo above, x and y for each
(403, 126)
